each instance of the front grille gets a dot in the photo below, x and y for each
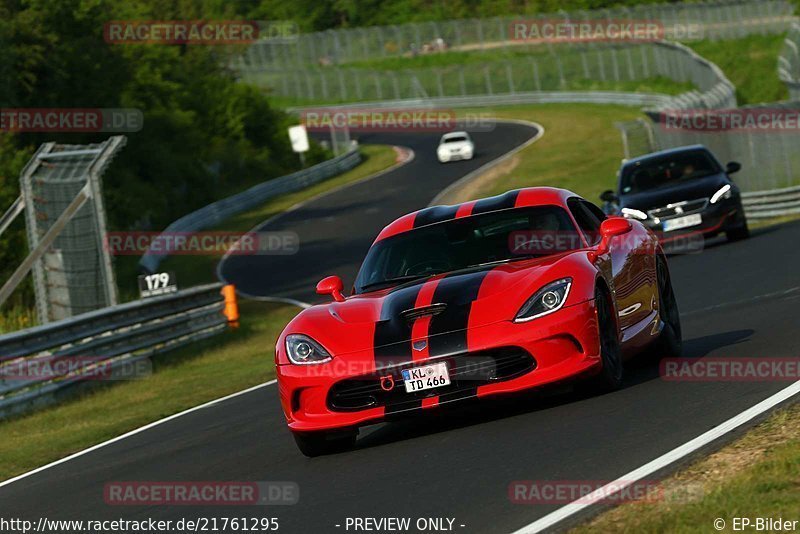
(467, 371)
(679, 209)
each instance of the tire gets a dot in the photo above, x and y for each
(610, 376)
(313, 444)
(670, 341)
(738, 233)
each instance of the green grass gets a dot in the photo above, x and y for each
(195, 270)
(756, 476)
(184, 378)
(750, 63)
(581, 149)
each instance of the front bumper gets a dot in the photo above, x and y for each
(719, 217)
(453, 156)
(557, 347)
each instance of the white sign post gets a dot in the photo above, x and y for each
(299, 138)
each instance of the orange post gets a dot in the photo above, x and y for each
(231, 310)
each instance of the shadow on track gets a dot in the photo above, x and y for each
(479, 411)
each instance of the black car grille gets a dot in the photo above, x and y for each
(679, 209)
(467, 371)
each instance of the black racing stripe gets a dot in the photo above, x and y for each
(392, 339)
(500, 202)
(434, 214)
(447, 333)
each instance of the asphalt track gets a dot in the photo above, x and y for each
(737, 300)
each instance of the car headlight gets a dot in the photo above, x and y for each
(637, 214)
(302, 350)
(724, 192)
(548, 299)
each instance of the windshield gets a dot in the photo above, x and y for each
(456, 139)
(460, 244)
(667, 170)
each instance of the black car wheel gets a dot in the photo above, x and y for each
(610, 376)
(320, 443)
(738, 233)
(670, 341)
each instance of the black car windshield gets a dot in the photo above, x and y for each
(667, 170)
(466, 242)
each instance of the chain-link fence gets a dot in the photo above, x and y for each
(767, 150)
(683, 22)
(74, 275)
(573, 67)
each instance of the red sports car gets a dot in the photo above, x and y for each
(494, 296)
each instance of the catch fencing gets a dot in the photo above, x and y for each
(680, 21)
(38, 365)
(587, 67)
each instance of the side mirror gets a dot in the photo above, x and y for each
(608, 196)
(609, 229)
(732, 167)
(331, 285)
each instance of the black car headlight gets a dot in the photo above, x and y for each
(302, 350)
(548, 299)
(723, 193)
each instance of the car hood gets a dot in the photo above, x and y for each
(455, 301)
(671, 194)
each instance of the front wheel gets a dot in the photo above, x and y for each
(738, 233)
(670, 341)
(610, 376)
(320, 443)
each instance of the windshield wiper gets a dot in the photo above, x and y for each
(399, 280)
(506, 260)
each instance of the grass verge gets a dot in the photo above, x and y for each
(581, 150)
(755, 476)
(750, 63)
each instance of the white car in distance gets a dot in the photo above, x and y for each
(455, 145)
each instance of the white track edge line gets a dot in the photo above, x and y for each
(662, 461)
(134, 432)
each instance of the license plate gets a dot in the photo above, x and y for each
(426, 377)
(682, 222)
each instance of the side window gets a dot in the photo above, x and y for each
(587, 220)
(594, 210)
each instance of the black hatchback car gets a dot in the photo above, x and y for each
(678, 192)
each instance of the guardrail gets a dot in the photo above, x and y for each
(774, 203)
(535, 97)
(38, 364)
(217, 212)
